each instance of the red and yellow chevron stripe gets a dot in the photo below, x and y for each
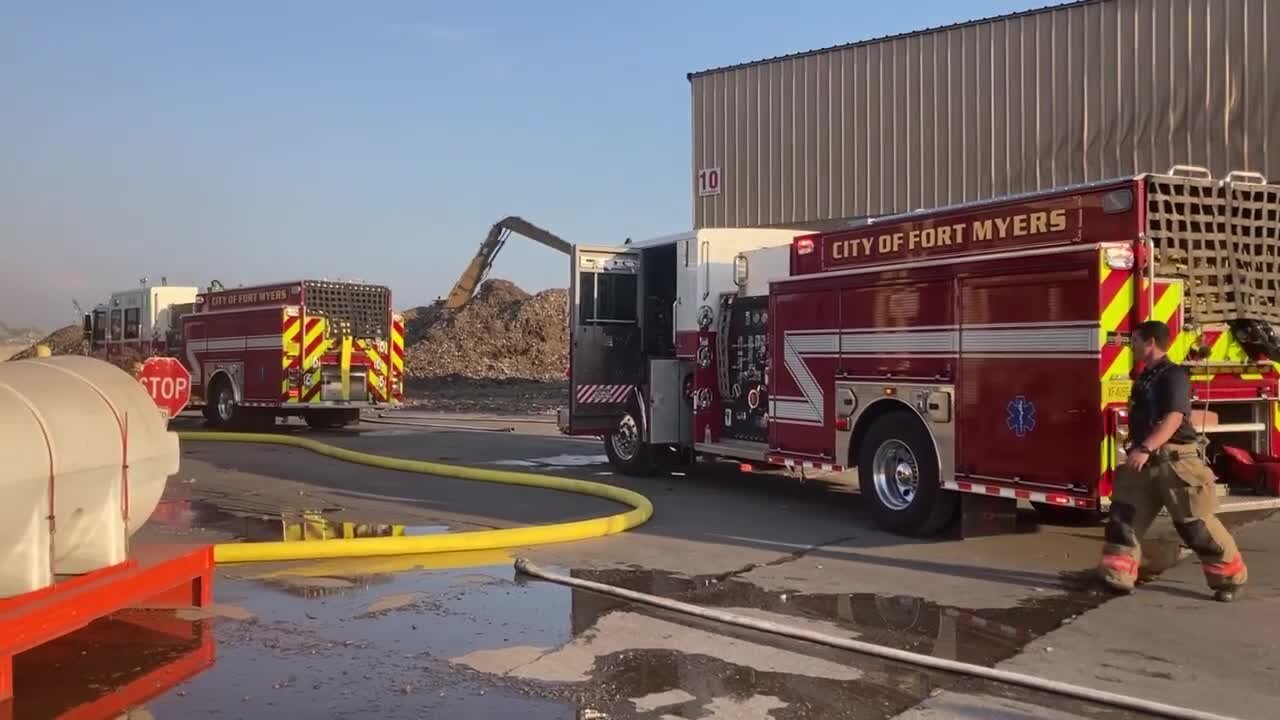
(1275, 428)
(291, 359)
(315, 341)
(1118, 300)
(1116, 296)
(376, 371)
(396, 377)
(1120, 312)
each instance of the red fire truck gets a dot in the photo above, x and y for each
(317, 349)
(969, 356)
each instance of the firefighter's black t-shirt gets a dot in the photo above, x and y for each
(1161, 389)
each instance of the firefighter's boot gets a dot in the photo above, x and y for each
(1224, 569)
(1122, 552)
(1134, 505)
(1193, 504)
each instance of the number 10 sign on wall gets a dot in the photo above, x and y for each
(709, 181)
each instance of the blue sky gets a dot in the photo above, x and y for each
(252, 142)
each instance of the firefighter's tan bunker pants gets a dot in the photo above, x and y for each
(1185, 486)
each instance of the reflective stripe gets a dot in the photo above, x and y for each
(344, 366)
(1058, 499)
(291, 357)
(1121, 564)
(796, 463)
(1225, 569)
(602, 394)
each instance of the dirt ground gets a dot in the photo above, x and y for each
(465, 395)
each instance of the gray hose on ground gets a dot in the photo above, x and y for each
(523, 565)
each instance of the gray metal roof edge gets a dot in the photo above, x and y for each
(885, 38)
(991, 201)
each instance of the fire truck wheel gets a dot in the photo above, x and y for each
(898, 471)
(626, 448)
(221, 411)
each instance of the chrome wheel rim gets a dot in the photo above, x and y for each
(226, 403)
(626, 439)
(896, 474)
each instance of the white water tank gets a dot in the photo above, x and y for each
(86, 457)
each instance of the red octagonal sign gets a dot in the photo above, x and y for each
(168, 383)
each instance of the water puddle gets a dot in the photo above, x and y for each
(265, 649)
(556, 461)
(979, 636)
(464, 636)
(110, 667)
(629, 661)
(286, 526)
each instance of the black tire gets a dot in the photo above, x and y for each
(626, 449)
(220, 409)
(674, 458)
(908, 498)
(331, 419)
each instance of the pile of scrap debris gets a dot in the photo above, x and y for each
(503, 333)
(66, 341)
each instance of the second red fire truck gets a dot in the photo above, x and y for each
(315, 349)
(974, 352)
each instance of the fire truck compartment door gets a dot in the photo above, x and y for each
(1028, 400)
(606, 361)
(670, 407)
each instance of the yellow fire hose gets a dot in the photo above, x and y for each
(640, 512)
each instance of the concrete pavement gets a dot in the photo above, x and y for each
(1170, 642)
(801, 553)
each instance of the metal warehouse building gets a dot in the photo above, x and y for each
(1049, 97)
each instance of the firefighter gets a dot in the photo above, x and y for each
(1165, 467)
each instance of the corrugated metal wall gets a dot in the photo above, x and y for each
(1059, 96)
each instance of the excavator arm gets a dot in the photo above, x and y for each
(479, 266)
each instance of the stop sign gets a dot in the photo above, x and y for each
(168, 383)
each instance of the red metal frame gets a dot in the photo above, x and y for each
(155, 576)
(165, 649)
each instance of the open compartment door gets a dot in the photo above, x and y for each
(606, 363)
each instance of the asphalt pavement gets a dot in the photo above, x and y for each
(465, 636)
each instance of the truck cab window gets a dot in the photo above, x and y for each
(616, 299)
(132, 323)
(607, 298)
(99, 325)
(117, 325)
(586, 298)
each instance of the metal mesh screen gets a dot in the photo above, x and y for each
(1223, 239)
(361, 311)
